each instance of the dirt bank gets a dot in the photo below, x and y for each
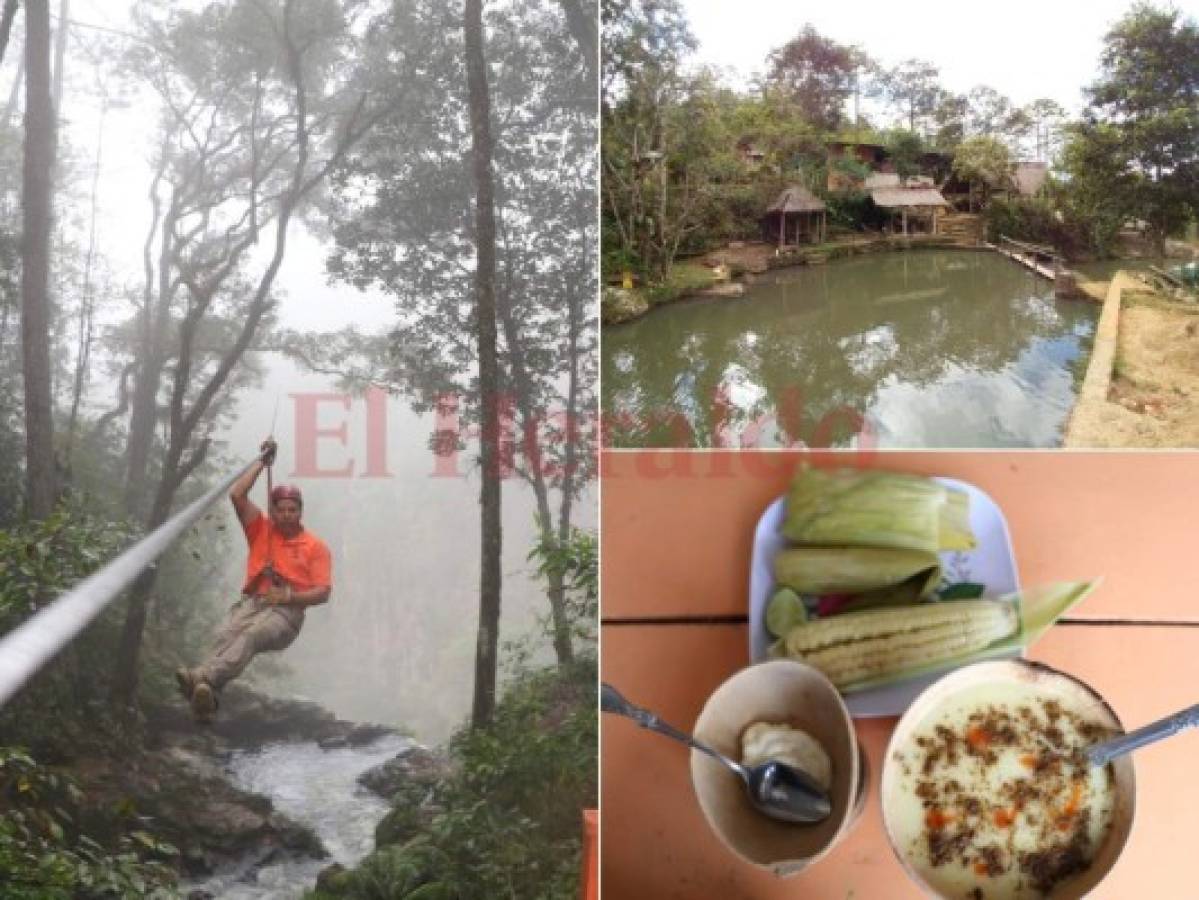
(1152, 398)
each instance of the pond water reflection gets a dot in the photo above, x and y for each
(928, 348)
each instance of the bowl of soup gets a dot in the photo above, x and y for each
(987, 793)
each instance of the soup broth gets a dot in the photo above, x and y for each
(994, 798)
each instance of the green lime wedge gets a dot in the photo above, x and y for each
(784, 611)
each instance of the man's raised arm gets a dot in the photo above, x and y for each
(247, 512)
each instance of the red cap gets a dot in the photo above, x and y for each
(287, 492)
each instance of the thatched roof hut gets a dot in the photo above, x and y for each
(920, 204)
(797, 214)
(909, 197)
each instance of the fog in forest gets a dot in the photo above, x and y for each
(396, 642)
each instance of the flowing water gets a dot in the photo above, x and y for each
(316, 788)
(928, 348)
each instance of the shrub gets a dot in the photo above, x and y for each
(44, 857)
(64, 709)
(853, 211)
(1036, 221)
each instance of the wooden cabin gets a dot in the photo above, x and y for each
(874, 156)
(797, 217)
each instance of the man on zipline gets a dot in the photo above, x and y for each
(288, 569)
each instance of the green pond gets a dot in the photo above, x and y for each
(924, 348)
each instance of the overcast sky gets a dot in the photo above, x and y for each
(1025, 49)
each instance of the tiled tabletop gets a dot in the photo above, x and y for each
(677, 531)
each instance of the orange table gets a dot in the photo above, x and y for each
(676, 539)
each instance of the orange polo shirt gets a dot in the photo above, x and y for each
(303, 561)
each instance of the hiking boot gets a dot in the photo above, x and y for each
(186, 681)
(203, 701)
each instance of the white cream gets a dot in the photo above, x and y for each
(764, 741)
(998, 802)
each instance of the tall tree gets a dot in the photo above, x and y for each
(913, 87)
(1047, 117)
(490, 576)
(35, 261)
(905, 149)
(1102, 185)
(983, 161)
(949, 119)
(989, 110)
(817, 74)
(865, 79)
(258, 108)
(405, 202)
(404, 207)
(1148, 95)
(643, 40)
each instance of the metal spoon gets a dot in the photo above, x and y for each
(1101, 754)
(780, 791)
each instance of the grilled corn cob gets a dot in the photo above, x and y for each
(879, 643)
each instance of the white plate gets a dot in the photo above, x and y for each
(992, 563)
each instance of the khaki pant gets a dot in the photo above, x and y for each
(253, 627)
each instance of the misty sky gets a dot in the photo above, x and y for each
(1025, 49)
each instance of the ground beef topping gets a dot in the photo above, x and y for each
(976, 829)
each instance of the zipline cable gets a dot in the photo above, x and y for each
(29, 646)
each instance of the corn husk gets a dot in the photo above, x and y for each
(855, 570)
(853, 508)
(1037, 608)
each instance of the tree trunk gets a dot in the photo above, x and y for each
(486, 652)
(7, 15)
(153, 332)
(556, 593)
(86, 306)
(35, 262)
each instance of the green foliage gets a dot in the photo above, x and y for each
(983, 159)
(1144, 118)
(44, 857)
(853, 211)
(65, 707)
(905, 148)
(1037, 221)
(815, 73)
(851, 168)
(576, 561)
(684, 278)
(507, 822)
(1100, 191)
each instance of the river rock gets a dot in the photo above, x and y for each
(415, 764)
(619, 305)
(185, 798)
(247, 718)
(735, 289)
